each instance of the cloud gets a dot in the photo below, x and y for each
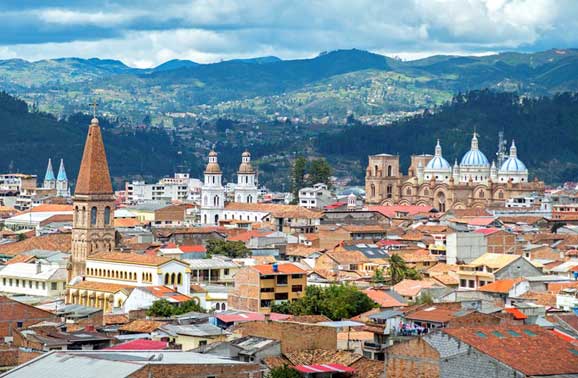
(146, 32)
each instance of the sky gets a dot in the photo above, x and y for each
(146, 33)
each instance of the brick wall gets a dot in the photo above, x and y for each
(293, 336)
(412, 359)
(12, 312)
(201, 370)
(473, 320)
(245, 295)
(502, 242)
(15, 357)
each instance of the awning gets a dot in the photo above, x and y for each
(518, 315)
(324, 368)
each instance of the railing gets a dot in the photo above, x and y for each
(373, 346)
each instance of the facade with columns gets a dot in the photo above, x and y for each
(213, 192)
(431, 180)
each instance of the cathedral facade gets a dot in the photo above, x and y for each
(433, 181)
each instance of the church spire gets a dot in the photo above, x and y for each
(62, 172)
(474, 146)
(94, 177)
(438, 149)
(49, 176)
(513, 150)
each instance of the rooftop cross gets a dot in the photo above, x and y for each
(93, 104)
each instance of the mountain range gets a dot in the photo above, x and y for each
(375, 88)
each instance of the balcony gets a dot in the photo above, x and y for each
(369, 345)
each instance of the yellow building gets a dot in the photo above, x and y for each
(190, 336)
(258, 287)
(106, 296)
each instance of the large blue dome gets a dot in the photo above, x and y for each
(513, 164)
(438, 163)
(476, 158)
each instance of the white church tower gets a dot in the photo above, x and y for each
(212, 193)
(62, 188)
(49, 179)
(246, 190)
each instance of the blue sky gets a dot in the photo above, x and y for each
(146, 33)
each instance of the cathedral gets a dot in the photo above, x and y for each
(433, 181)
(58, 183)
(213, 191)
(93, 205)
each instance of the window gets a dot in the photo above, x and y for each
(471, 284)
(93, 216)
(107, 215)
(282, 280)
(463, 283)
(4, 281)
(53, 285)
(281, 296)
(179, 279)
(296, 288)
(267, 290)
(389, 170)
(226, 272)
(44, 286)
(19, 324)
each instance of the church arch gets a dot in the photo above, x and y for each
(389, 170)
(107, 215)
(93, 215)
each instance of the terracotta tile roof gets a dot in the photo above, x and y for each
(392, 211)
(163, 292)
(494, 260)
(543, 299)
(113, 319)
(101, 286)
(193, 248)
(20, 259)
(277, 211)
(474, 221)
(556, 287)
(131, 258)
(366, 368)
(126, 222)
(532, 350)
(433, 229)
(282, 269)
(141, 326)
(319, 356)
(246, 236)
(501, 286)
(58, 218)
(93, 176)
(410, 288)
(432, 314)
(264, 260)
(48, 208)
(471, 212)
(345, 257)
(382, 298)
(446, 279)
(302, 250)
(521, 219)
(412, 235)
(416, 256)
(52, 242)
(518, 315)
(442, 268)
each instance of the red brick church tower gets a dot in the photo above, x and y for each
(92, 227)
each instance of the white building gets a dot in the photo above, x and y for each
(212, 192)
(142, 298)
(45, 280)
(246, 189)
(132, 269)
(181, 187)
(316, 197)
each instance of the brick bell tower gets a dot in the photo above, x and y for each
(92, 225)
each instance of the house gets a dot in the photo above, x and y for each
(106, 296)
(143, 297)
(353, 259)
(132, 269)
(386, 299)
(419, 259)
(411, 290)
(213, 271)
(358, 217)
(485, 351)
(174, 216)
(189, 336)
(331, 235)
(284, 218)
(464, 247)
(16, 315)
(381, 324)
(567, 299)
(258, 287)
(44, 338)
(247, 349)
(134, 364)
(190, 235)
(316, 197)
(507, 289)
(33, 278)
(495, 266)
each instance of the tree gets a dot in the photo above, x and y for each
(283, 372)
(378, 276)
(398, 270)
(232, 249)
(161, 308)
(21, 237)
(319, 172)
(298, 175)
(336, 302)
(556, 226)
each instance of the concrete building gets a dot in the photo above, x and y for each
(181, 187)
(316, 197)
(44, 280)
(258, 287)
(464, 247)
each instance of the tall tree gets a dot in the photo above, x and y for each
(319, 172)
(298, 175)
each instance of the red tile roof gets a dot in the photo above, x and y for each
(239, 317)
(47, 208)
(530, 349)
(501, 286)
(246, 236)
(486, 231)
(324, 368)
(382, 298)
(432, 314)
(281, 269)
(391, 211)
(164, 292)
(130, 258)
(140, 344)
(193, 248)
(93, 176)
(518, 315)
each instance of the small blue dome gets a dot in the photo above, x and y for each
(513, 164)
(475, 157)
(438, 163)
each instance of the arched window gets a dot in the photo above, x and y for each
(216, 201)
(408, 191)
(218, 307)
(426, 192)
(501, 195)
(93, 216)
(249, 199)
(216, 218)
(389, 191)
(107, 215)
(481, 194)
(223, 306)
(246, 179)
(389, 169)
(205, 219)
(173, 279)
(179, 279)
(375, 170)
(76, 215)
(166, 278)
(372, 190)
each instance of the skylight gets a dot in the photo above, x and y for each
(514, 333)
(481, 334)
(529, 333)
(497, 334)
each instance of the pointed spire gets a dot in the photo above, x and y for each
(62, 172)
(94, 177)
(513, 150)
(49, 176)
(438, 150)
(474, 146)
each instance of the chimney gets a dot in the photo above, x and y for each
(38, 267)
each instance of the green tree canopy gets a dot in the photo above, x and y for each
(336, 302)
(283, 372)
(163, 308)
(398, 270)
(232, 249)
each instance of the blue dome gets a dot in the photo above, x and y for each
(513, 164)
(475, 158)
(438, 163)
